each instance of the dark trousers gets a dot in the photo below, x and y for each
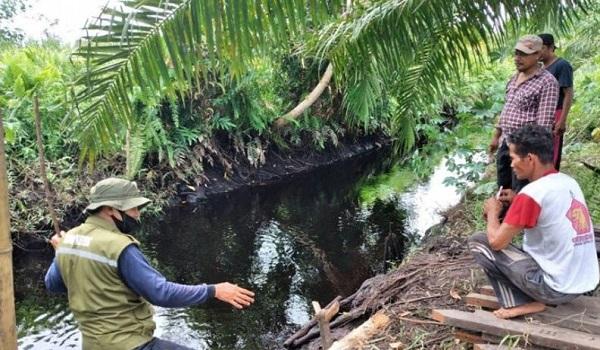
(504, 174)
(558, 153)
(515, 276)
(558, 143)
(160, 344)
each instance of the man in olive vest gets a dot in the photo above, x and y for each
(110, 284)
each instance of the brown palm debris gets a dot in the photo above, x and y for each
(423, 282)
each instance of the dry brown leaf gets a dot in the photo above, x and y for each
(454, 294)
(397, 345)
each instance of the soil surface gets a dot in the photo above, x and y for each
(438, 275)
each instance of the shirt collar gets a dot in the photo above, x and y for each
(549, 172)
(535, 75)
(539, 72)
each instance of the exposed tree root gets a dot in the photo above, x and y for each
(406, 295)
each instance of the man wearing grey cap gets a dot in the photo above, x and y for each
(531, 97)
(109, 282)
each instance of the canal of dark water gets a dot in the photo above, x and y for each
(312, 238)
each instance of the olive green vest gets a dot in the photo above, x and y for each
(110, 315)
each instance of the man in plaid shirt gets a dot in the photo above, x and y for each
(531, 98)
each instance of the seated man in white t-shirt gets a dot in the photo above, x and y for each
(558, 261)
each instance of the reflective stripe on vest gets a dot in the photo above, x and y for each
(86, 255)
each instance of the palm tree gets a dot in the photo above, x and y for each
(408, 48)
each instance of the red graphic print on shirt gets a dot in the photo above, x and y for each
(580, 219)
(579, 216)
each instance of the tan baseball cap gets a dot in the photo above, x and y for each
(529, 44)
(116, 193)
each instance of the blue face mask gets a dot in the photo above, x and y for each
(127, 224)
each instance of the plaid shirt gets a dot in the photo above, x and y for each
(532, 102)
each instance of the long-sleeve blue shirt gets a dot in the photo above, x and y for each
(145, 281)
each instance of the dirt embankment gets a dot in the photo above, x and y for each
(281, 166)
(436, 276)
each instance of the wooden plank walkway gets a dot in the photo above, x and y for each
(582, 314)
(572, 326)
(575, 325)
(544, 335)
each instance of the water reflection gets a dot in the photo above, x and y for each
(427, 200)
(306, 240)
(309, 239)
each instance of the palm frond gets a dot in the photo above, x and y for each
(415, 47)
(150, 43)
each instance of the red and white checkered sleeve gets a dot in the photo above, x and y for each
(548, 102)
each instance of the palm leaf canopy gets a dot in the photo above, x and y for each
(409, 46)
(414, 47)
(151, 43)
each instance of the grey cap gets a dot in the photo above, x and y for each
(116, 193)
(529, 44)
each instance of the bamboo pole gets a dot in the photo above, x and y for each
(42, 154)
(8, 329)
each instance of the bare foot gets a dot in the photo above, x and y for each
(525, 309)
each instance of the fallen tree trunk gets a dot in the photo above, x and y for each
(309, 100)
(314, 95)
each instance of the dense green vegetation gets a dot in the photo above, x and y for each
(172, 115)
(157, 99)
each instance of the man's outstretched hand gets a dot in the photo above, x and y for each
(234, 295)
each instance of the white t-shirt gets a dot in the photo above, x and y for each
(559, 234)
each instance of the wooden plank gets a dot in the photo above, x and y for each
(494, 339)
(491, 338)
(475, 337)
(581, 314)
(468, 337)
(494, 347)
(577, 316)
(485, 301)
(591, 304)
(487, 290)
(549, 336)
